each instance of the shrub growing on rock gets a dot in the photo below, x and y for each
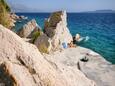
(43, 43)
(4, 16)
(35, 35)
(54, 19)
(42, 48)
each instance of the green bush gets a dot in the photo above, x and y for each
(4, 17)
(6, 6)
(4, 20)
(42, 48)
(54, 19)
(35, 35)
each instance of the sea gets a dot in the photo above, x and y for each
(98, 28)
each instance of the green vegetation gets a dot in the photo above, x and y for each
(4, 17)
(42, 48)
(35, 35)
(54, 19)
(6, 6)
(50, 25)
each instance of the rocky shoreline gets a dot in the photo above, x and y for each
(96, 68)
(39, 58)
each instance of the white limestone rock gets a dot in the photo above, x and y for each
(21, 64)
(56, 28)
(28, 28)
(24, 64)
(96, 68)
(66, 62)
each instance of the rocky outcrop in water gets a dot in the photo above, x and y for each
(56, 28)
(14, 16)
(21, 64)
(28, 29)
(55, 33)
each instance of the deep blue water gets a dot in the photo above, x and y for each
(100, 27)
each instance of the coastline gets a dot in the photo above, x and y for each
(45, 49)
(45, 59)
(33, 68)
(96, 68)
(101, 43)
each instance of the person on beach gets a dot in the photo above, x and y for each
(71, 45)
(77, 37)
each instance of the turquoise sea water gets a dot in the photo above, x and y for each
(99, 27)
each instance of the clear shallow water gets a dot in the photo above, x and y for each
(99, 27)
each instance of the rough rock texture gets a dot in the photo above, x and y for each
(24, 63)
(21, 64)
(96, 68)
(66, 62)
(56, 28)
(27, 29)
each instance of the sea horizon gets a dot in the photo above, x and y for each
(57, 43)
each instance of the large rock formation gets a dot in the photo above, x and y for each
(28, 28)
(56, 33)
(21, 64)
(56, 29)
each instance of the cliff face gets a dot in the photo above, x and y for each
(56, 29)
(21, 64)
